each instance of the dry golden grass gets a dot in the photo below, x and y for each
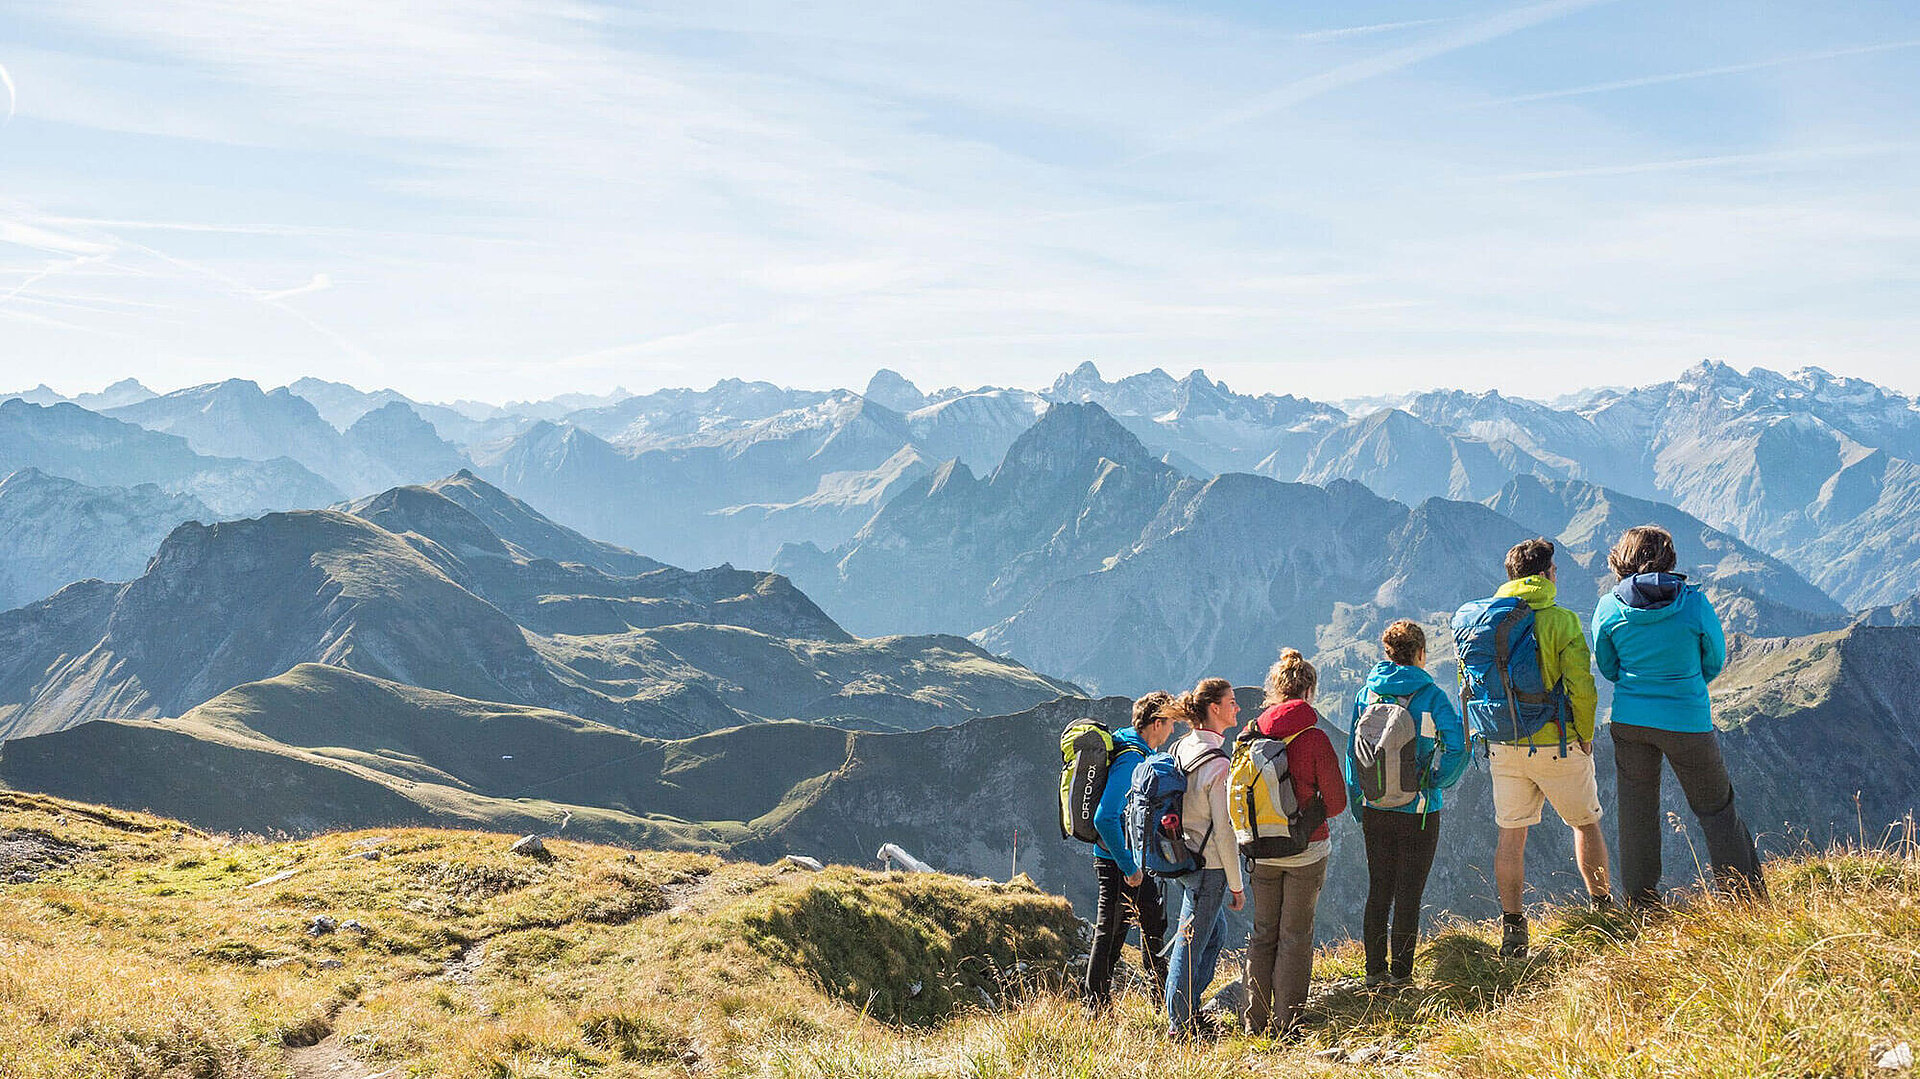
(147, 950)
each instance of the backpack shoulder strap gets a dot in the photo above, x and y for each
(1212, 753)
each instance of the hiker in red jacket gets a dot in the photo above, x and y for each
(1286, 890)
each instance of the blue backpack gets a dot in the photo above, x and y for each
(1505, 696)
(1154, 804)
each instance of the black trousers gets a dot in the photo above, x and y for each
(1702, 772)
(1120, 905)
(1400, 850)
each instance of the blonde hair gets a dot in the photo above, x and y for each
(1291, 678)
(1191, 708)
(1404, 641)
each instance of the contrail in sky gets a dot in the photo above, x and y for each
(7, 81)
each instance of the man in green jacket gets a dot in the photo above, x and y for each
(1527, 775)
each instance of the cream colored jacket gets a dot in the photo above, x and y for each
(1205, 804)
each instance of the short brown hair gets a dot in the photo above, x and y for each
(1404, 641)
(1646, 549)
(1529, 558)
(1191, 708)
(1291, 678)
(1147, 709)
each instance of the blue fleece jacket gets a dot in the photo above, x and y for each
(1442, 737)
(1658, 639)
(1109, 816)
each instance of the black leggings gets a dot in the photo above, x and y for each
(1399, 856)
(1120, 905)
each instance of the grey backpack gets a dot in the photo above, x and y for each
(1386, 754)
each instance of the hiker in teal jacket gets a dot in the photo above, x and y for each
(1658, 639)
(1401, 839)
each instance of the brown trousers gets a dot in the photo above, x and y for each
(1280, 951)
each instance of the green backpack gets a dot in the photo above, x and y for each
(1086, 752)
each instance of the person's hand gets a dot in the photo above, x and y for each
(1584, 746)
(1236, 899)
(1134, 879)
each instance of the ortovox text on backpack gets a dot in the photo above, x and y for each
(1386, 753)
(1502, 689)
(1268, 820)
(1153, 824)
(1086, 750)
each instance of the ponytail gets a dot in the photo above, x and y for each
(1191, 707)
(1291, 678)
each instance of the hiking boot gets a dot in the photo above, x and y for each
(1513, 937)
(1397, 982)
(1602, 903)
(1375, 981)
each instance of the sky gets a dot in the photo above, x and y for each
(501, 199)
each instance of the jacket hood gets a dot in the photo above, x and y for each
(1391, 679)
(1127, 736)
(1286, 719)
(1650, 597)
(1536, 590)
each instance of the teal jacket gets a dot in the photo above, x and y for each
(1659, 641)
(1441, 742)
(1109, 817)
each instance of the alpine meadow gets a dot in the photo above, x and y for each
(611, 539)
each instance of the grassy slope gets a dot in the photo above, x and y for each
(143, 949)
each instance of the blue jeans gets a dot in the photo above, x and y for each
(1202, 928)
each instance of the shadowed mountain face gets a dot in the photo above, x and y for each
(54, 531)
(324, 747)
(415, 588)
(69, 441)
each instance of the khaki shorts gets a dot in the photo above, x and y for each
(1522, 780)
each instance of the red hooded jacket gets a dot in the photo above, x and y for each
(1311, 761)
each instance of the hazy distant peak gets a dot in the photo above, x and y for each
(1068, 436)
(42, 394)
(895, 391)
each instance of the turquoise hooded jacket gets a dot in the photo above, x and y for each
(1442, 737)
(1658, 640)
(1109, 817)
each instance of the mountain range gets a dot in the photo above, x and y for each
(415, 586)
(1816, 470)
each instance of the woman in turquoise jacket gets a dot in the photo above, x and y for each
(1401, 839)
(1658, 639)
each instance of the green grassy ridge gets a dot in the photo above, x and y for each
(150, 949)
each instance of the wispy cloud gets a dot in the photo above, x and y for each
(1716, 161)
(1386, 63)
(1372, 28)
(13, 99)
(1704, 73)
(320, 283)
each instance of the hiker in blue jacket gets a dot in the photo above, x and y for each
(1401, 839)
(1127, 893)
(1658, 639)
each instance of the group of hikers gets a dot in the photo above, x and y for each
(1212, 819)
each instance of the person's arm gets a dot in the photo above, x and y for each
(1328, 778)
(1452, 756)
(1225, 850)
(1346, 761)
(1604, 657)
(1109, 817)
(1713, 640)
(1576, 674)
